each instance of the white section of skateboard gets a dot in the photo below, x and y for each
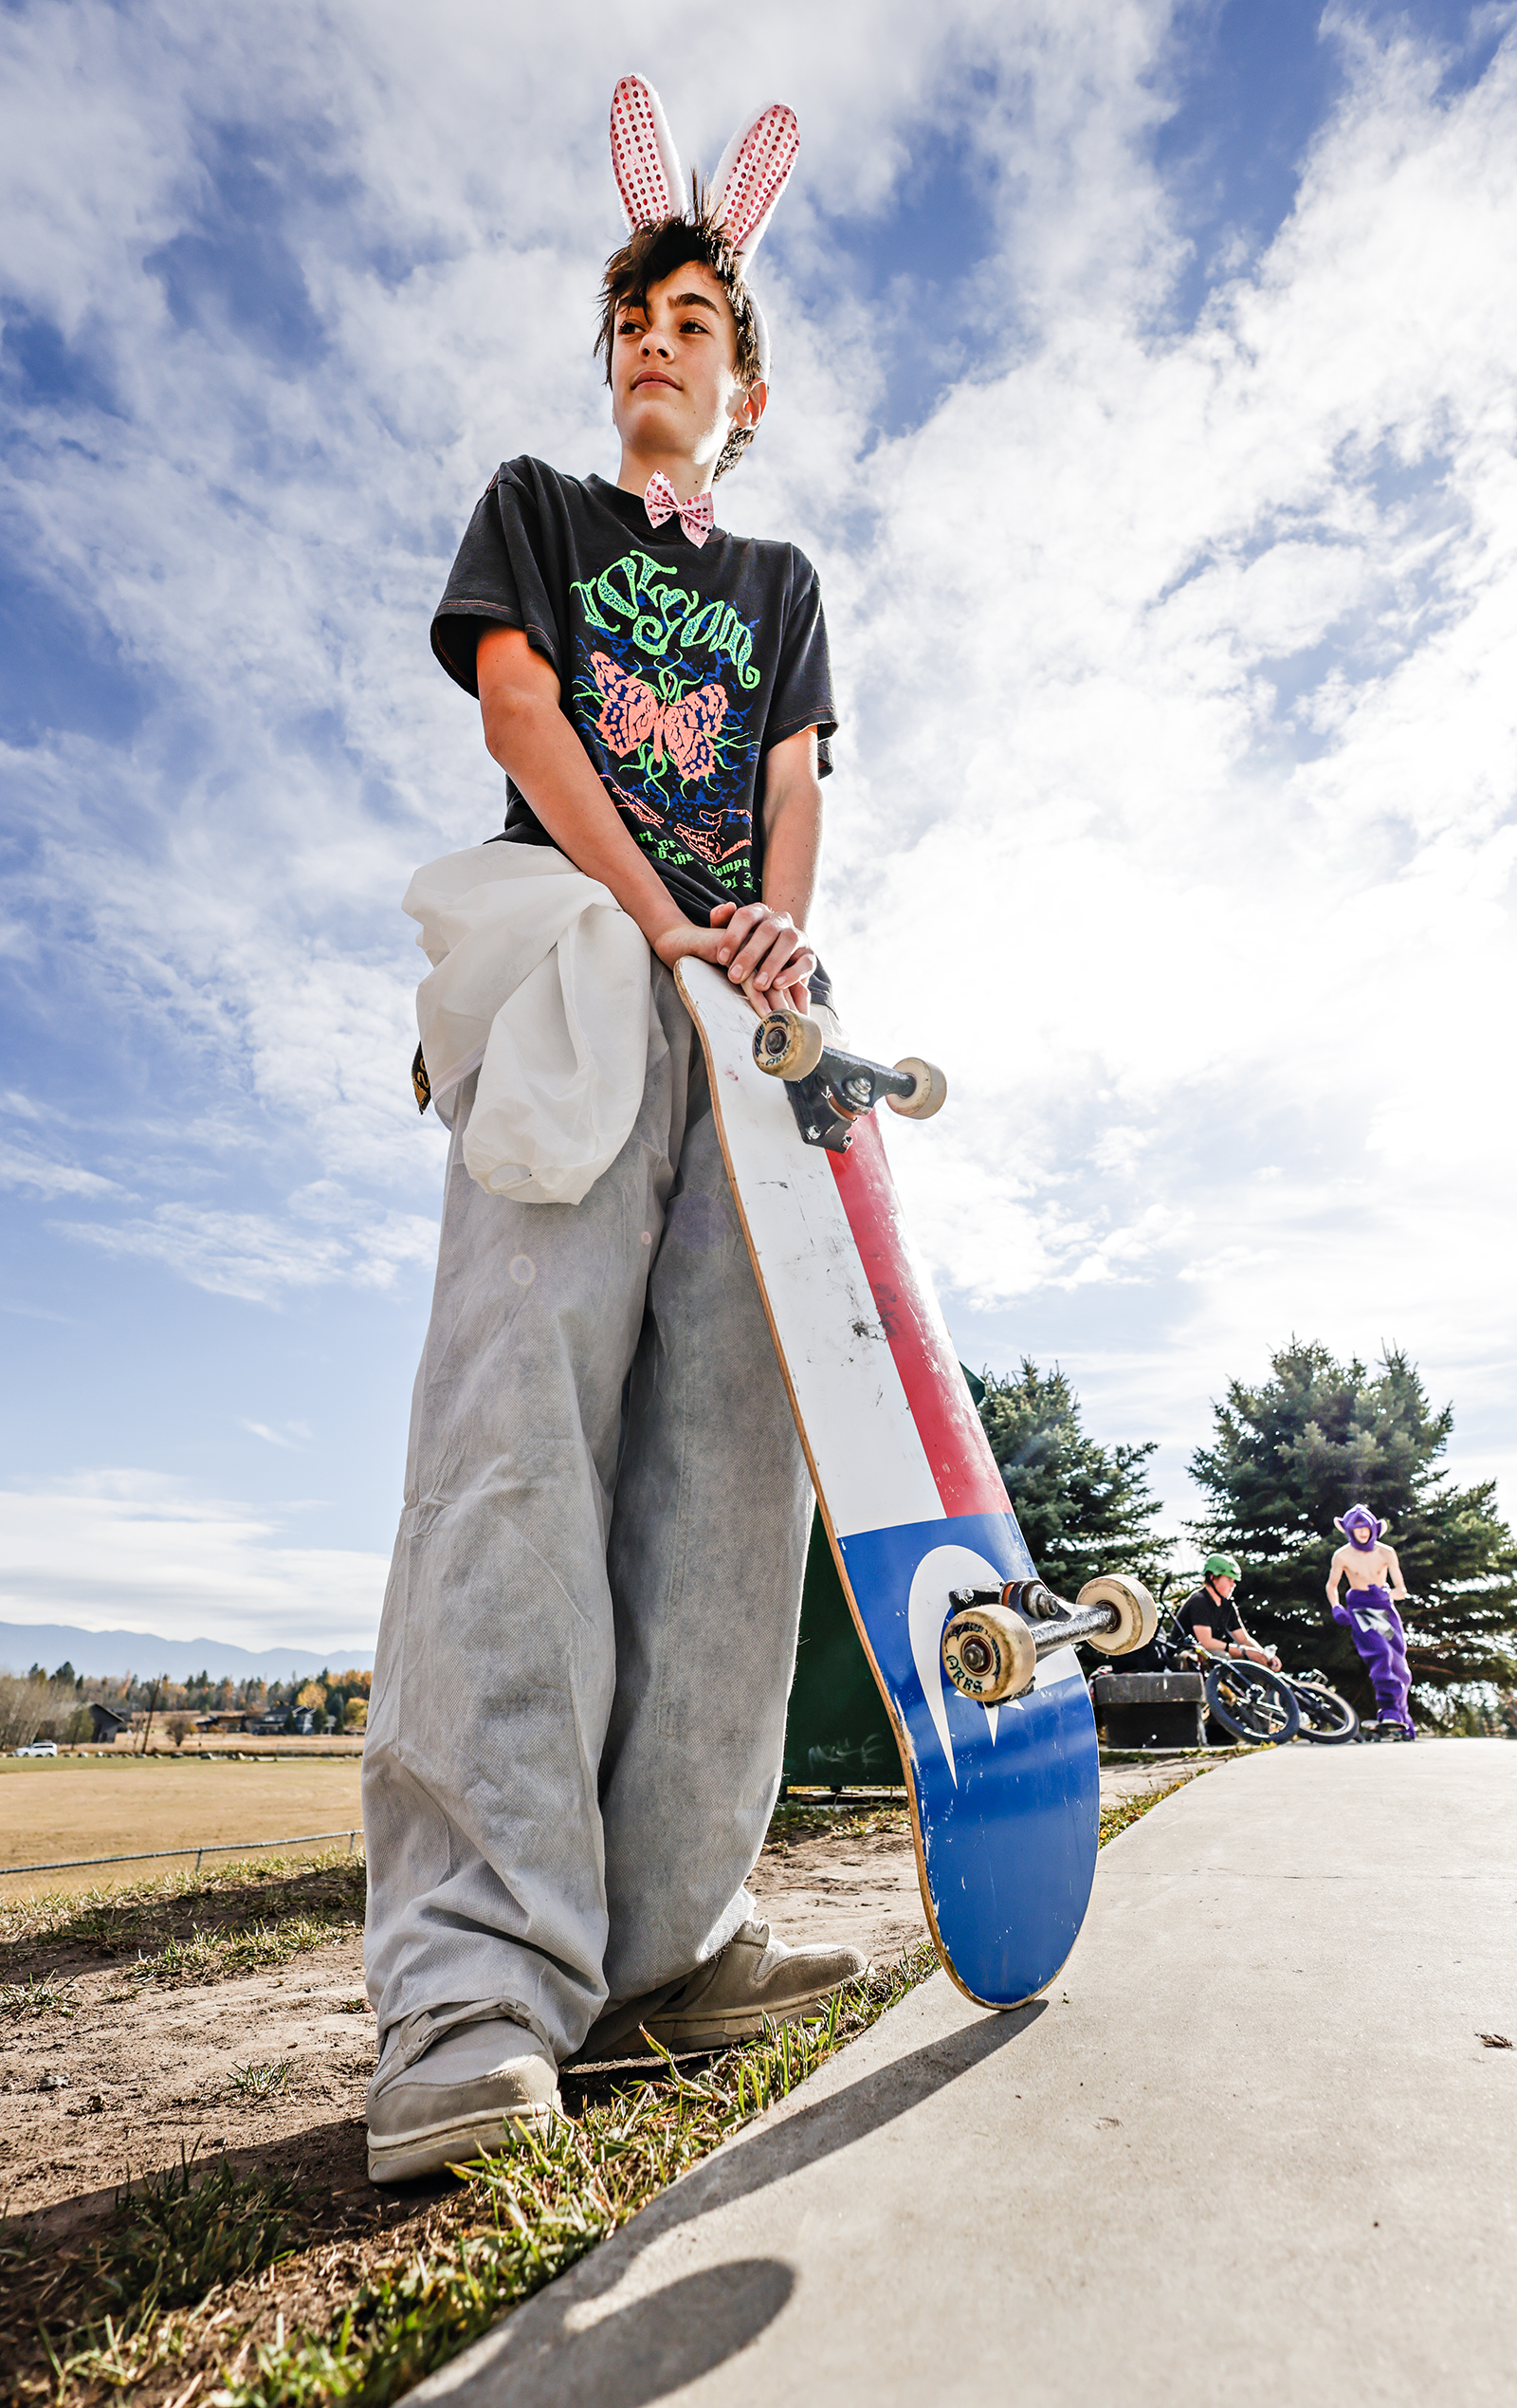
(870, 1465)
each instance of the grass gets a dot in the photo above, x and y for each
(1132, 1810)
(188, 2280)
(262, 2082)
(220, 1955)
(189, 1926)
(798, 1819)
(545, 2202)
(189, 2287)
(24, 2001)
(81, 1807)
(173, 2239)
(795, 1820)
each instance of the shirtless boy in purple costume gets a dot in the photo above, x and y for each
(1373, 1622)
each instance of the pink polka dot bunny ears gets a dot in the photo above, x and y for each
(751, 175)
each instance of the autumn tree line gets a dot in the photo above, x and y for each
(1285, 1457)
(43, 1705)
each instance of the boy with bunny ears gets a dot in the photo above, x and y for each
(570, 1762)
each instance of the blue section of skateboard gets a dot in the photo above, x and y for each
(1008, 1831)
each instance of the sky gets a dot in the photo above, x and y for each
(1144, 391)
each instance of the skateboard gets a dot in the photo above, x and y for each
(973, 1656)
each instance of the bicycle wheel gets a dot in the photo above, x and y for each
(1325, 1716)
(1252, 1703)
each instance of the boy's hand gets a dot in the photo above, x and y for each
(749, 941)
(765, 944)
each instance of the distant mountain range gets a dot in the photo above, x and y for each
(106, 1655)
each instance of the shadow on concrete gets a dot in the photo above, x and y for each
(810, 2133)
(534, 2358)
(653, 2345)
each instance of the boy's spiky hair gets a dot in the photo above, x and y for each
(652, 252)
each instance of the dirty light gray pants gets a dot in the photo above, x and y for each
(577, 1721)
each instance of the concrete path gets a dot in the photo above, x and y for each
(1249, 2148)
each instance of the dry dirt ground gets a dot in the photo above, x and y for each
(136, 2067)
(226, 2021)
(157, 2038)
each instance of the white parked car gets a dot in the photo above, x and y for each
(40, 1747)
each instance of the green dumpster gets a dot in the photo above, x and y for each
(837, 1733)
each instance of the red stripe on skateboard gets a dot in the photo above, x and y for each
(958, 1452)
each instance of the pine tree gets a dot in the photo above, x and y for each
(1083, 1509)
(1317, 1437)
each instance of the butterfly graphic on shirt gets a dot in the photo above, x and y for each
(631, 716)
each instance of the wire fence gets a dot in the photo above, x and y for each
(212, 1847)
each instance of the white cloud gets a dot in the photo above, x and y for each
(132, 1550)
(1184, 900)
(1181, 735)
(22, 1166)
(262, 1258)
(294, 1434)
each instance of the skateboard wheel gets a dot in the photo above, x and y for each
(787, 1045)
(1137, 1614)
(929, 1094)
(988, 1654)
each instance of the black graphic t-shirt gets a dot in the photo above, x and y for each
(679, 665)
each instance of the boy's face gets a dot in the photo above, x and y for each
(674, 385)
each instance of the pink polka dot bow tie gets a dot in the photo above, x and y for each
(660, 501)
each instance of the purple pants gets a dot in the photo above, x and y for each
(1375, 1628)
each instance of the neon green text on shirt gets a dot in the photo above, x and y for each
(638, 596)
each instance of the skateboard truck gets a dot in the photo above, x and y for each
(995, 1637)
(830, 1089)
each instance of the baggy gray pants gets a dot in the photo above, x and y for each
(577, 1720)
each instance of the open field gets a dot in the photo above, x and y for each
(113, 1804)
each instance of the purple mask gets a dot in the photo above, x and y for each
(1360, 1527)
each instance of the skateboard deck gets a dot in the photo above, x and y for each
(1005, 1800)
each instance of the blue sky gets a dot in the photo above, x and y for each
(1144, 393)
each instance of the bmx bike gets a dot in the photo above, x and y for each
(1253, 1703)
(1326, 1717)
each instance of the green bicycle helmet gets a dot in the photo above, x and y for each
(1227, 1567)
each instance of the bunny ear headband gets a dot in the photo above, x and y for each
(751, 175)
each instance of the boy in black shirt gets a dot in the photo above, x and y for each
(570, 1758)
(691, 675)
(1210, 1617)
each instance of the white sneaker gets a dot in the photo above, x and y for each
(456, 2098)
(753, 1979)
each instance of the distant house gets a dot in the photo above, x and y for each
(271, 1725)
(106, 1721)
(304, 1720)
(223, 1719)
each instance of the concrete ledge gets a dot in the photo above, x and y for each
(1150, 1688)
(1249, 2149)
